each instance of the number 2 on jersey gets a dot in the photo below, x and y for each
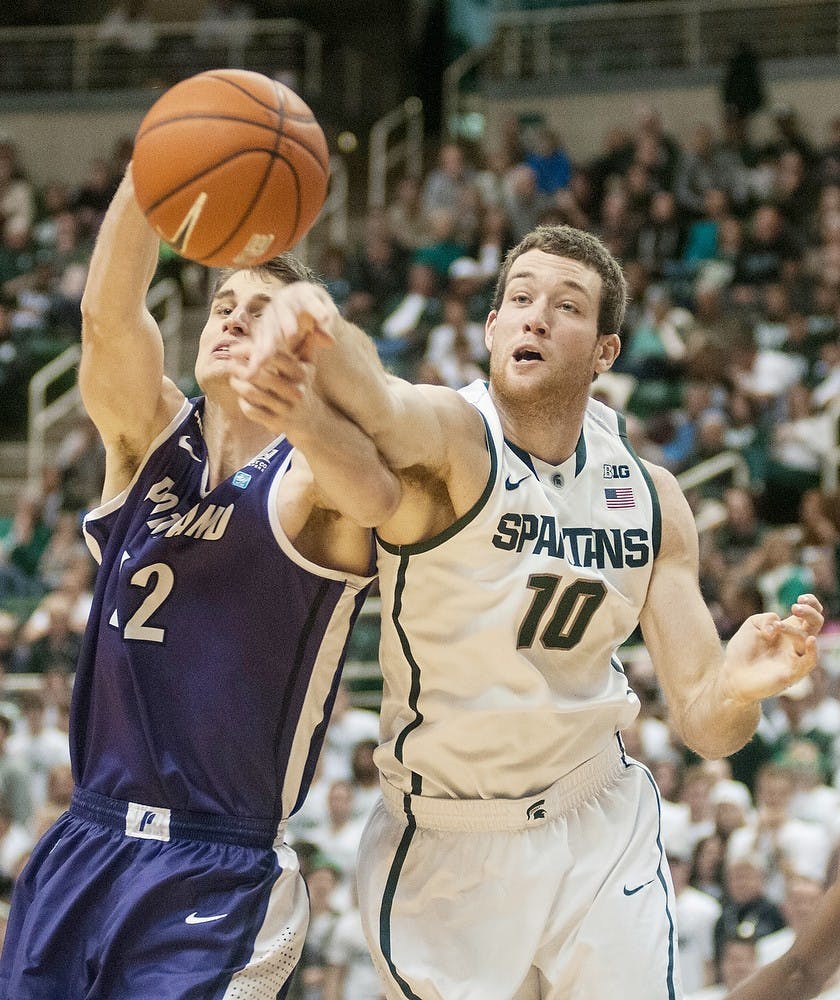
(573, 611)
(136, 627)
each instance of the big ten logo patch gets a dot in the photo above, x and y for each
(616, 472)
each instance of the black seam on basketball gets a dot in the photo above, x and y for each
(221, 163)
(244, 90)
(273, 156)
(274, 130)
(208, 117)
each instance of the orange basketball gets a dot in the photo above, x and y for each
(230, 167)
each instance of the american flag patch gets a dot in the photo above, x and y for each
(619, 496)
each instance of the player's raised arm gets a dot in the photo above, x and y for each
(121, 374)
(713, 697)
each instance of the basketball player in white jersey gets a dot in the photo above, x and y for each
(517, 852)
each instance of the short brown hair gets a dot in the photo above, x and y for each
(284, 266)
(576, 244)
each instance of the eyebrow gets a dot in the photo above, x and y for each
(569, 283)
(229, 293)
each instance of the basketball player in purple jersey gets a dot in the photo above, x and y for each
(230, 574)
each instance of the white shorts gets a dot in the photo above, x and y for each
(565, 895)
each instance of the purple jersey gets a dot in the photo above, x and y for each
(211, 658)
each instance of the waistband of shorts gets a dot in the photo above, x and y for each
(149, 822)
(559, 799)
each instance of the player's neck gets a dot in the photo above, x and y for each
(232, 439)
(550, 434)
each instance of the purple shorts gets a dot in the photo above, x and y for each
(122, 900)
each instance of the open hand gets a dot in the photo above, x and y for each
(767, 654)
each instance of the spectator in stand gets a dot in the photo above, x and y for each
(783, 844)
(770, 243)
(15, 777)
(704, 165)
(224, 29)
(707, 865)
(737, 599)
(322, 879)
(549, 160)
(659, 241)
(408, 222)
(339, 836)
(15, 371)
(404, 332)
(377, 273)
(348, 726)
(445, 185)
(813, 801)
(794, 191)
(127, 39)
(789, 135)
(455, 351)
(802, 896)
(697, 913)
(80, 463)
(350, 973)
(742, 87)
(15, 844)
(445, 245)
(93, 196)
(736, 963)
(617, 225)
(58, 649)
(23, 538)
(800, 442)
(524, 204)
(10, 653)
(737, 543)
(745, 907)
(40, 745)
(365, 782)
(17, 196)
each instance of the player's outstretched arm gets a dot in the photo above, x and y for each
(713, 697)
(121, 374)
(411, 425)
(346, 472)
(805, 967)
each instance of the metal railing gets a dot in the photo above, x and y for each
(727, 463)
(387, 150)
(73, 58)
(667, 34)
(164, 299)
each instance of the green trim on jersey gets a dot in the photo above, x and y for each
(656, 514)
(414, 693)
(463, 520)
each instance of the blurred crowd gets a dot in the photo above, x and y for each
(731, 249)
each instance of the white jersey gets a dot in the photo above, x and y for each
(499, 636)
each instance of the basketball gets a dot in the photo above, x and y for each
(230, 168)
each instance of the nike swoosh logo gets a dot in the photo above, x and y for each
(194, 918)
(511, 485)
(638, 888)
(184, 442)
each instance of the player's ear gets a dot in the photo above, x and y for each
(489, 328)
(609, 347)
